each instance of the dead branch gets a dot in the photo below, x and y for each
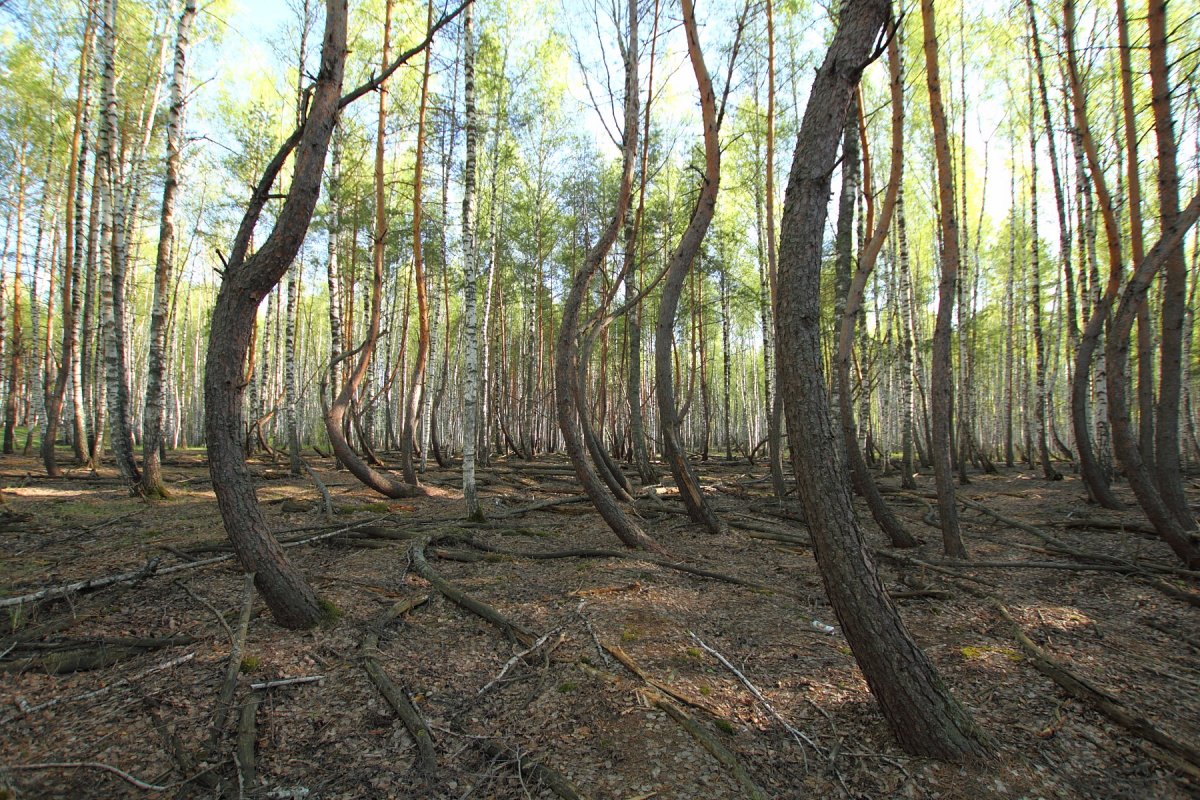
(258, 687)
(395, 696)
(229, 686)
(89, 585)
(720, 752)
(800, 737)
(549, 777)
(120, 773)
(1102, 701)
(416, 554)
(244, 751)
(518, 657)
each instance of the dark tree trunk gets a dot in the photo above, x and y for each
(941, 378)
(677, 270)
(922, 714)
(247, 280)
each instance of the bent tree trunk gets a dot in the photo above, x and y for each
(920, 710)
(1090, 468)
(247, 280)
(569, 393)
(941, 379)
(335, 417)
(677, 270)
(884, 517)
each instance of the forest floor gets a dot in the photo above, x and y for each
(569, 703)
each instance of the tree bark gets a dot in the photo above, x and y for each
(246, 281)
(922, 714)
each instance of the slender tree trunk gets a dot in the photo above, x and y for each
(295, 464)
(884, 517)
(773, 399)
(942, 380)
(16, 349)
(152, 415)
(70, 267)
(907, 334)
(922, 714)
(416, 390)
(470, 281)
(1035, 304)
(112, 286)
(677, 270)
(635, 253)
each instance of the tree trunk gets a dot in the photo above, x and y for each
(70, 263)
(1035, 304)
(942, 381)
(1168, 473)
(922, 714)
(677, 270)
(246, 281)
(416, 390)
(568, 401)
(470, 281)
(884, 517)
(1094, 477)
(152, 415)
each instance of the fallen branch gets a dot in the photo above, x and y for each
(120, 773)
(244, 751)
(258, 687)
(395, 696)
(416, 554)
(549, 777)
(539, 506)
(626, 661)
(1102, 701)
(800, 737)
(233, 667)
(89, 585)
(720, 752)
(174, 662)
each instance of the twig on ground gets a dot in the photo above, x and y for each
(800, 737)
(229, 686)
(258, 687)
(216, 613)
(513, 661)
(120, 773)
